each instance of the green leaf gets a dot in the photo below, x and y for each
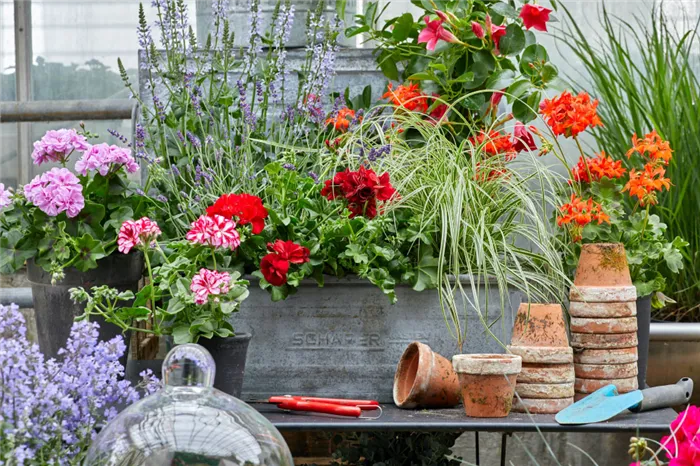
(525, 109)
(533, 54)
(673, 256)
(388, 65)
(181, 335)
(119, 216)
(505, 10)
(518, 89)
(514, 40)
(175, 306)
(549, 72)
(355, 252)
(14, 251)
(421, 76)
(480, 72)
(501, 79)
(92, 214)
(427, 270)
(353, 31)
(403, 27)
(278, 293)
(90, 251)
(229, 307)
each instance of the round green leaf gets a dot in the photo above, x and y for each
(514, 40)
(533, 54)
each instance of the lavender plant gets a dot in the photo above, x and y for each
(50, 409)
(213, 114)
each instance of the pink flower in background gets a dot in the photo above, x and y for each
(535, 16)
(433, 32)
(209, 282)
(683, 447)
(4, 196)
(478, 30)
(217, 231)
(101, 157)
(57, 145)
(523, 139)
(137, 233)
(56, 191)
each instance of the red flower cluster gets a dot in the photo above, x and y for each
(341, 121)
(495, 143)
(652, 146)
(248, 209)
(595, 169)
(408, 97)
(568, 115)
(644, 184)
(683, 446)
(361, 189)
(275, 265)
(578, 213)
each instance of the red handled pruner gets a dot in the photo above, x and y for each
(335, 406)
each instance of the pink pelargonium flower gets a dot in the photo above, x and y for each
(209, 282)
(57, 145)
(535, 16)
(216, 231)
(433, 32)
(102, 158)
(4, 196)
(56, 191)
(523, 138)
(141, 232)
(683, 447)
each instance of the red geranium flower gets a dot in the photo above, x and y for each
(289, 250)
(494, 143)
(362, 189)
(274, 268)
(570, 115)
(535, 16)
(247, 208)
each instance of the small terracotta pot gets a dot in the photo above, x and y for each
(607, 325)
(590, 385)
(487, 382)
(544, 354)
(546, 373)
(539, 325)
(606, 356)
(602, 264)
(603, 340)
(606, 371)
(541, 406)
(603, 310)
(545, 390)
(425, 379)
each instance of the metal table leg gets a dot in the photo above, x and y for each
(504, 446)
(476, 443)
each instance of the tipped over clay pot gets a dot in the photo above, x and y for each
(425, 379)
(487, 382)
(539, 325)
(602, 264)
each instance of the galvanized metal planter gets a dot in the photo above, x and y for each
(345, 339)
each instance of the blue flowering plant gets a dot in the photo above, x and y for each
(50, 409)
(69, 217)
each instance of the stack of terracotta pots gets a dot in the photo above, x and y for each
(603, 320)
(545, 384)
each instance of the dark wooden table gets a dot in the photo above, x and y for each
(454, 420)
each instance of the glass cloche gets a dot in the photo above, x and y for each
(189, 422)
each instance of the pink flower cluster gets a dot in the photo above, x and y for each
(57, 145)
(101, 157)
(56, 191)
(142, 232)
(4, 196)
(209, 282)
(683, 447)
(216, 231)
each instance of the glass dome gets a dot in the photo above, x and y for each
(189, 422)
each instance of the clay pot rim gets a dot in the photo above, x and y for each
(603, 294)
(422, 352)
(487, 364)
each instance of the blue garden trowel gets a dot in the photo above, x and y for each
(606, 403)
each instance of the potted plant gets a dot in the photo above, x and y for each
(611, 204)
(64, 225)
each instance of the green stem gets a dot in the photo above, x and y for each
(153, 292)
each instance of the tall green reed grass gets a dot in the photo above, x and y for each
(645, 72)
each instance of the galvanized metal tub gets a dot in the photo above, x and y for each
(345, 339)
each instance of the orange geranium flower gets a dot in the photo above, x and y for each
(595, 169)
(409, 97)
(568, 115)
(653, 146)
(578, 213)
(495, 143)
(341, 121)
(644, 184)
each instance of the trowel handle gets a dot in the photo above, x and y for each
(665, 396)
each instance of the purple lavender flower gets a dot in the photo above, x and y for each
(209, 140)
(255, 41)
(56, 191)
(175, 171)
(244, 105)
(57, 145)
(140, 141)
(314, 176)
(220, 9)
(160, 108)
(259, 91)
(161, 198)
(194, 140)
(180, 136)
(119, 136)
(289, 166)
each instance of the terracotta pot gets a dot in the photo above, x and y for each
(537, 406)
(606, 371)
(602, 310)
(606, 356)
(539, 325)
(543, 354)
(590, 385)
(545, 390)
(607, 325)
(425, 379)
(487, 382)
(603, 341)
(546, 373)
(602, 264)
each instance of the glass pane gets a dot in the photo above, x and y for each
(7, 50)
